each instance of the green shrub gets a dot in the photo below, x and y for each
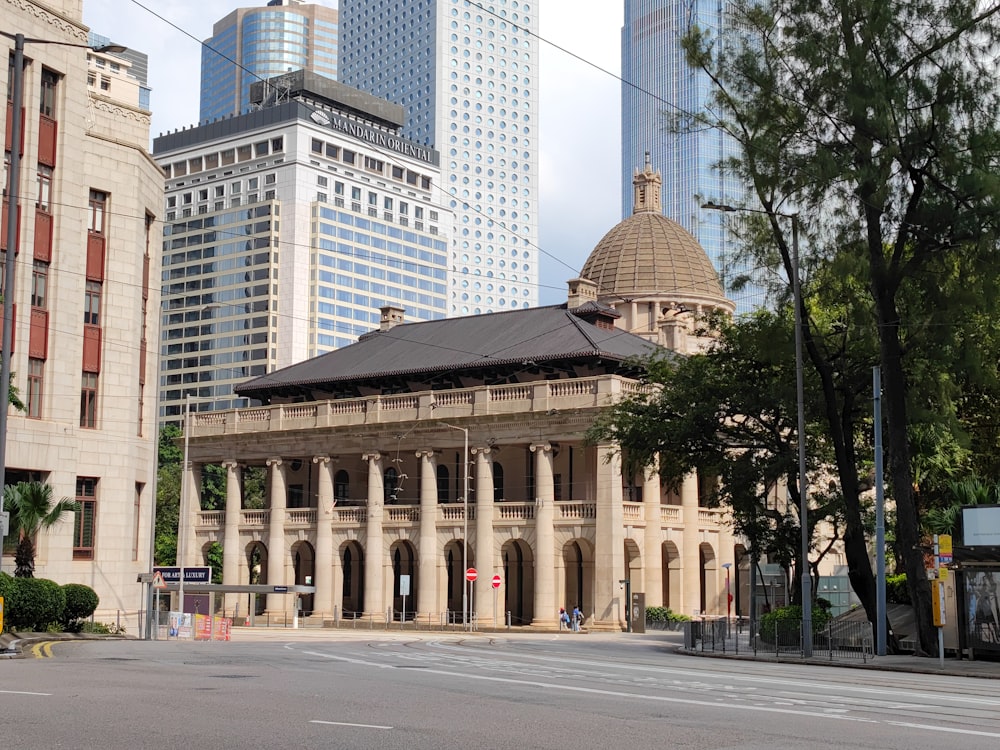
(81, 601)
(664, 614)
(6, 586)
(34, 604)
(785, 623)
(94, 627)
(896, 590)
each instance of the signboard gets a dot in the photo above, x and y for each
(944, 549)
(191, 575)
(158, 582)
(404, 585)
(496, 582)
(281, 589)
(471, 574)
(937, 603)
(981, 525)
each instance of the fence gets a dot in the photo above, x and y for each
(837, 640)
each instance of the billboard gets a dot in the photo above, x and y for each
(982, 608)
(981, 525)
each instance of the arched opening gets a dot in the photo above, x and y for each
(403, 558)
(578, 564)
(442, 483)
(709, 594)
(518, 563)
(455, 576)
(352, 562)
(304, 563)
(671, 562)
(497, 481)
(255, 572)
(390, 486)
(341, 486)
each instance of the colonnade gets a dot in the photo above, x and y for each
(602, 538)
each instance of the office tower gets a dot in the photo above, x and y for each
(138, 65)
(664, 86)
(287, 229)
(467, 75)
(252, 44)
(84, 298)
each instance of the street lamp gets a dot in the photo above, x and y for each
(800, 399)
(465, 532)
(13, 201)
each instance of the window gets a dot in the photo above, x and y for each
(355, 193)
(98, 207)
(390, 485)
(136, 516)
(332, 151)
(270, 179)
(36, 370)
(252, 183)
(39, 283)
(92, 304)
(47, 102)
(317, 146)
(88, 401)
(341, 486)
(322, 181)
(84, 518)
(44, 188)
(348, 157)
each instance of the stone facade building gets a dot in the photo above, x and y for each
(429, 448)
(85, 310)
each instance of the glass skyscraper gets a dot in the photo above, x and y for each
(467, 75)
(665, 88)
(282, 36)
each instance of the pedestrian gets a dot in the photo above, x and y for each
(563, 618)
(577, 618)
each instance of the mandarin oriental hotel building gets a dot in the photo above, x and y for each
(286, 230)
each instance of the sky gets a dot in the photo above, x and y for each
(580, 106)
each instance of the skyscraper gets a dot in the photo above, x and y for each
(467, 76)
(252, 44)
(663, 86)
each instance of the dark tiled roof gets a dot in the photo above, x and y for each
(537, 334)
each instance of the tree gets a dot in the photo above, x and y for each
(32, 510)
(730, 413)
(879, 124)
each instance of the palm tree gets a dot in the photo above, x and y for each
(32, 510)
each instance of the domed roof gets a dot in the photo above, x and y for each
(649, 254)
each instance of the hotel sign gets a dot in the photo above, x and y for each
(378, 138)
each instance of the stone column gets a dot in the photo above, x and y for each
(323, 600)
(231, 536)
(486, 554)
(546, 608)
(374, 604)
(652, 557)
(690, 552)
(427, 551)
(609, 548)
(277, 603)
(188, 551)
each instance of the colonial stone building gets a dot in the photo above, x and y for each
(429, 448)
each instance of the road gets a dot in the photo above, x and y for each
(306, 689)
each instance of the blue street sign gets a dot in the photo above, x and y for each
(281, 589)
(191, 575)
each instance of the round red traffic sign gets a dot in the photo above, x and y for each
(471, 574)
(496, 582)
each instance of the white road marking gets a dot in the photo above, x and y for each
(349, 724)
(23, 692)
(933, 728)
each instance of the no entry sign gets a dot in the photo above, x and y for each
(496, 582)
(471, 574)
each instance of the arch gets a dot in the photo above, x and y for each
(341, 486)
(443, 481)
(709, 594)
(304, 565)
(255, 572)
(390, 486)
(518, 562)
(670, 558)
(497, 481)
(455, 575)
(578, 564)
(352, 565)
(404, 563)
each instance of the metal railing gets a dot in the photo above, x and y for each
(781, 639)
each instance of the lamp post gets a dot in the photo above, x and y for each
(801, 426)
(13, 202)
(465, 532)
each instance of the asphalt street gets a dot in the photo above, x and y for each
(363, 690)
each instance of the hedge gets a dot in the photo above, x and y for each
(33, 604)
(81, 601)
